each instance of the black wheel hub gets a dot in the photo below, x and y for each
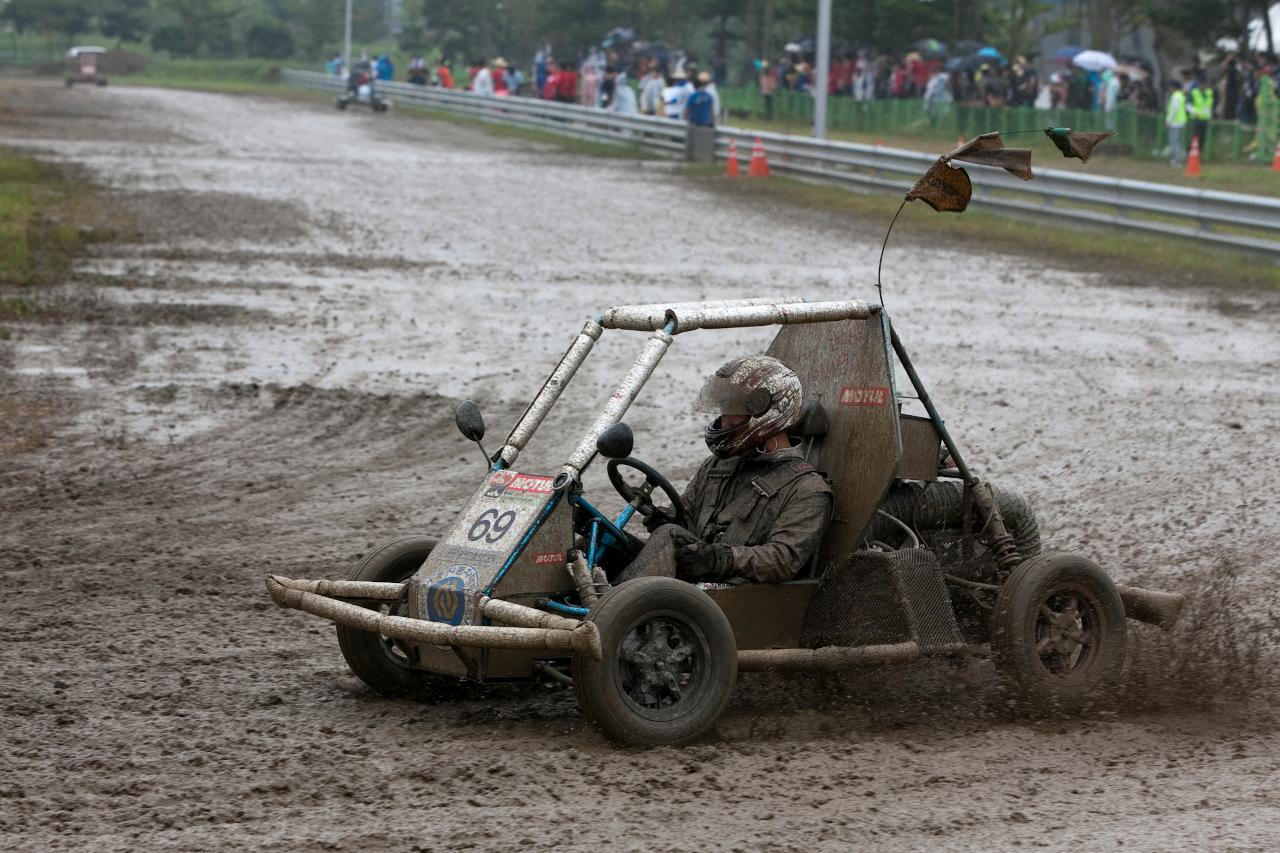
(1066, 629)
(659, 664)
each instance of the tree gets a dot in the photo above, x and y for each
(124, 20)
(66, 18)
(268, 41)
(318, 24)
(195, 27)
(1015, 27)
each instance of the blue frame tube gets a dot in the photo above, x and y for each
(552, 503)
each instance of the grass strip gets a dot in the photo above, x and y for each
(36, 240)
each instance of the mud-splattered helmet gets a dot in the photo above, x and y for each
(759, 387)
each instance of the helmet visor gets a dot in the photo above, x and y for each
(721, 396)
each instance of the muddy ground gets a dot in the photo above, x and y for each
(264, 381)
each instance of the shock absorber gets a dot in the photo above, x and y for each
(998, 539)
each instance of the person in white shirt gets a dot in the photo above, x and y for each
(676, 95)
(482, 83)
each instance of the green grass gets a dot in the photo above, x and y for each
(27, 247)
(46, 216)
(1126, 256)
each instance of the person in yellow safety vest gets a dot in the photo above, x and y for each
(1175, 119)
(1200, 111)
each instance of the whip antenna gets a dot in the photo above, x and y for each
(880, 263)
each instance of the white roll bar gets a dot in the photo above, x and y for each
(689, 316)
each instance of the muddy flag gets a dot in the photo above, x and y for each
(944, 188)
(1076, 143)
(988, 150)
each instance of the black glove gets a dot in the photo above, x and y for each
(657, 517)
(699, 561)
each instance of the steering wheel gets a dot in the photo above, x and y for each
(652, 480)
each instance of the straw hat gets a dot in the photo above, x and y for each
(500, 63)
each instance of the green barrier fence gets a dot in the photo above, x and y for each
(1139, 134)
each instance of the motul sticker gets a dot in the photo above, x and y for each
(860, 395)
(509, 481)
(544, 559)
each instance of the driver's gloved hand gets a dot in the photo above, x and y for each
(699, 561)
(681, 538)
(657, 517)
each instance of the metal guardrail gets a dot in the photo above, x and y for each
(1234, 219)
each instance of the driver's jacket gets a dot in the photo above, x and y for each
(773, 510)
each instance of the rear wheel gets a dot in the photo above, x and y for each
(379, 661)
(1058, 633)
(668, 667)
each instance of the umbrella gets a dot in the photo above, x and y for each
(1094, 60)
(986, 56)
(1066, 54)
(931, 48)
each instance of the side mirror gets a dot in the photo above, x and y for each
(469, 420)
(616, 442)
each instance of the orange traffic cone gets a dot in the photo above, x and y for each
(759, 165)
(731, 164)
(1193, 161)
(1275, 164)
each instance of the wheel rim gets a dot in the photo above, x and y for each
(391, 648)
(1068, 630)
(662, 666)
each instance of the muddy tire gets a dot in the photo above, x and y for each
(341, 103)
(668, 667)
(376, 660)
(1058, 634)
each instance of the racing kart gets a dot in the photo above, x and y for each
(361, 90)
(922, 558)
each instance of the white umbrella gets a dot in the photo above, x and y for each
(1094, 60)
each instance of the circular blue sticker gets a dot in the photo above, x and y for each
(449, 593)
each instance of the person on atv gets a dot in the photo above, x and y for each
(757, 509)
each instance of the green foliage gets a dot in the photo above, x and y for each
(269, 41)
(1015, 27)
(124, 20)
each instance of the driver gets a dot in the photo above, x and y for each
(756, 509)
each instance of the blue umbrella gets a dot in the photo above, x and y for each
(992, 54)
(1066, 54)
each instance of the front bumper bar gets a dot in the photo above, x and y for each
(522, 628)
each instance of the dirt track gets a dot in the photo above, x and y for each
(265, 383)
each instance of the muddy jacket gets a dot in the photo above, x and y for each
(772, 509)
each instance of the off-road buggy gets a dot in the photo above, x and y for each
(921, 559)
(362, 89)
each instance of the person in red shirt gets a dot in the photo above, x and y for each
(567, 84)
(552, 85)
(500, 86)
(444, 75)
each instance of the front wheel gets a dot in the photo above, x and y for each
(377, 660)
(1058, 633)
(668, 666)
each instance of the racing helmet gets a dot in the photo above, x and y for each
(760, 387)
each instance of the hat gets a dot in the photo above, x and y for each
(679, 74)
(500, 63)
(704, 77)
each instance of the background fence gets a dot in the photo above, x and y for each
(1235, 219)
(1143, 133)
